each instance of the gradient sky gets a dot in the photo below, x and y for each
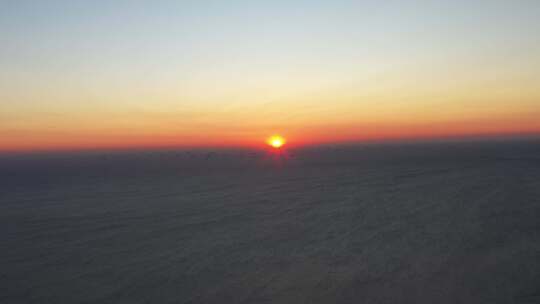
(87, 74)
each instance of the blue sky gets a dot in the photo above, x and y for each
(296, 62)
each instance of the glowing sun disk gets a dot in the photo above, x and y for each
(276, 141)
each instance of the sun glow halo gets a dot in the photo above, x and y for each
(276, 141)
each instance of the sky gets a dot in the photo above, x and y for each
(106, 74)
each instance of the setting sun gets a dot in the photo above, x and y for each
(276, 141)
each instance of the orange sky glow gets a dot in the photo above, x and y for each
(104, 76)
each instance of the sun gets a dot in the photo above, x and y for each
(276, 141)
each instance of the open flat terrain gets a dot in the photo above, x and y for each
(410, 223)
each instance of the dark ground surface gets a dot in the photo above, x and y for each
(422, 223)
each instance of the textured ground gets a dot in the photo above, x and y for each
(445, 223)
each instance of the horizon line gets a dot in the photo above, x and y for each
(290, 146)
